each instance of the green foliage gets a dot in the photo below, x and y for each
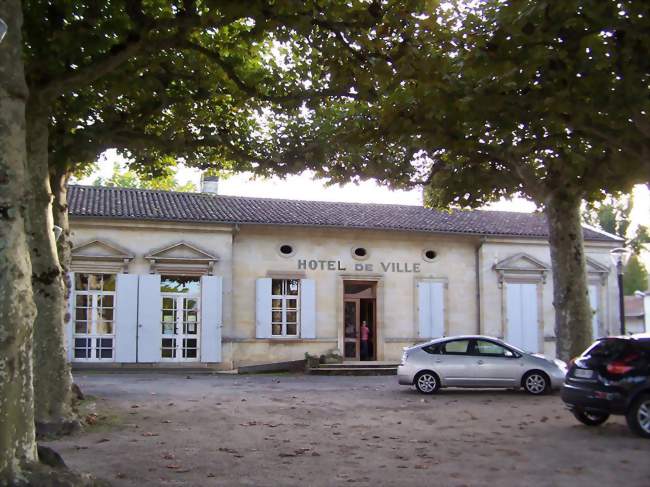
(131, 179)
(641, 238)
(636, 276)
(480, 100)
(612, 214)
(202, 82)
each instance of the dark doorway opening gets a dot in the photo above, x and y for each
(360, 306)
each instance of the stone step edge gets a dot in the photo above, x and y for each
(357, 366)
(348, 369)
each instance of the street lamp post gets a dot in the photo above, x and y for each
(619, 258)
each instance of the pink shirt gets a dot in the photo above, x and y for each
(364, 333)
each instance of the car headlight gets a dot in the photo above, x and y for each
(561, 364)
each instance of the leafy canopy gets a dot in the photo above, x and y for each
(612, 214)
(196, 80)
(488, 99)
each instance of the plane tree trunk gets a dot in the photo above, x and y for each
(59, 178)
(570, 299)
(17, 310)
(52, 377)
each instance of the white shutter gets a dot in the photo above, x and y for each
(522, 329)
(593, 305)
(263, 308)
(307, 308)
(529, 312)
(437, 309)
(514, 333)
(126, 317)
(211, 322)
(424, 309)
(149, 317)
(69, 326)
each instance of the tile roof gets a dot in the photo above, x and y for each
(140, 204)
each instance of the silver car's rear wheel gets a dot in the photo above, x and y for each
(536, 383)
(427, 382)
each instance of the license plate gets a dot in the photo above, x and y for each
(583, 373)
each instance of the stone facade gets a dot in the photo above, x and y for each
(476, 279)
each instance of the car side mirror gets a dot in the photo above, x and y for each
(509, 354)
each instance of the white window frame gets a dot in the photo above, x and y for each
(92, 321)
(284, 309)
(179, 324)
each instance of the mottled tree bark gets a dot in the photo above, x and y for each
(17, 311)
(52, 377)
(572, 311)
(59, 178)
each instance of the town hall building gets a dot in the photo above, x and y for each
(168, 278)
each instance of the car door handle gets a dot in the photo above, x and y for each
(480, 362)
(439, 361)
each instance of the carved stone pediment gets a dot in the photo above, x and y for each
(181, 258)
(100, 256)
(522, 266)
(597, 270)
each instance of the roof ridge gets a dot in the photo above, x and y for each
(156, 204)
(263, 198)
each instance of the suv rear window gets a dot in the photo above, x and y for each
(610, 349)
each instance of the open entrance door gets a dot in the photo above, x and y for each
(359, 321)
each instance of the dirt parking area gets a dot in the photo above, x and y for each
(285, 430)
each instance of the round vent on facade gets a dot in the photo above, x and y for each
(359, 253)
(429, 255)
(286, 250)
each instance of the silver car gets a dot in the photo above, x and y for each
(477, 361)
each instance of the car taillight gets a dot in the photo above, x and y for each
(618, 368)
(404, 357)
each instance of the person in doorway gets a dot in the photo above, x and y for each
(365, 333)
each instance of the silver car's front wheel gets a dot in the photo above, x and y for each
(427, 382)
(536, 383)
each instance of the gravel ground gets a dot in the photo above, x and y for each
(284, 430)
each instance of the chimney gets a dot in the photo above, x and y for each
(210, 184)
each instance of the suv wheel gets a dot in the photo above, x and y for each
(638, 416)
(536, 383)
(427, 382)
(590, 418)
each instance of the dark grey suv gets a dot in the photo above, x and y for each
(611, 377)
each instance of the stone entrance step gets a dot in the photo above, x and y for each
(172, 369)
(356, 368)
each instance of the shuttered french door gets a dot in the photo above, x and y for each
(522, 321)
(180, 327)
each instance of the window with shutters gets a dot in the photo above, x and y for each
(285, 299)
(94, 310)
(181, 326)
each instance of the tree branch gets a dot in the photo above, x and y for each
(134, 43)
(253, 92)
